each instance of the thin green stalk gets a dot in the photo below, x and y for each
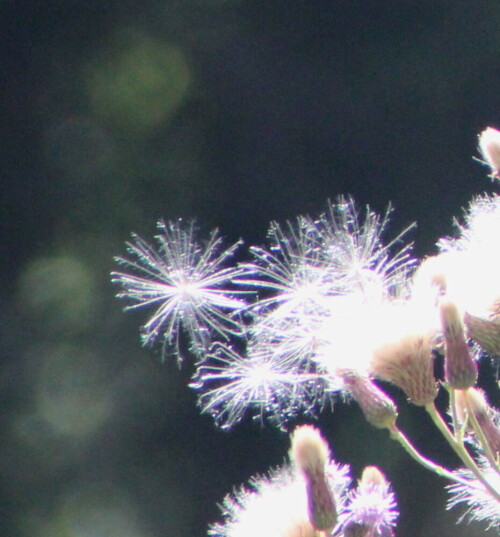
(481, 437)
(460, 450)
(453, 408)
(400, 437)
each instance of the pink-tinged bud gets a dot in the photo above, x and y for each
(378, 408)
(483, 413)
(321, 505)
(460, 369)
(309, 451)
(408, 364)
(489, 146)
(372, 510)
(485, 331)
(460, 406)
(372, 476)
(310, 454)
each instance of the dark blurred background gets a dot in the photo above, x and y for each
(236, 112)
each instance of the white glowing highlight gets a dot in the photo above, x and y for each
(186, 282)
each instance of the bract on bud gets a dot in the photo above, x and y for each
(372, 511)
(484, 414)
(378, 408)
(408, 364)
(372, 476)
(459, 367)
(310, 454)
(489, 146)
(309, 450)
(485, 331)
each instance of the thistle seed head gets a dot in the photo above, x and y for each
(408, 364)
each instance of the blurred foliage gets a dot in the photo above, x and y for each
(137, 83)
(59, 293)
(72, 396)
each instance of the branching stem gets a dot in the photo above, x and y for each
(459, 448)
(400, 437)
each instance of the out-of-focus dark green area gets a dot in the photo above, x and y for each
(236, 112)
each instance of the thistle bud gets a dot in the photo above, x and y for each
(485, 331)
(489, 147)
(460, 369)
(378, 408)
(460, 406)
(484, 414)
(372, 511)
(310, 454)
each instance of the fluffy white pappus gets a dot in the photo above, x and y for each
(291, 273)
(276, 505)
(480, 503)
(186, 282)
(469, 264)
(346, 338)
(291, 341)
(358, 331)
(354, 250)
(322, 282)
(371, 506)
(261, 384)
(340, 253)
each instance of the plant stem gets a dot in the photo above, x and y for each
(481, 437)
(460, 450)
(453, 408)
(400, 437)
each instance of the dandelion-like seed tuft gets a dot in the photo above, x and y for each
(188, 285)
(261, 383)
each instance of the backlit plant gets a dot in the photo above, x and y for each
(323, 313)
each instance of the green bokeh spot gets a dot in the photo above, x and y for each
(138, 84)
(59, 292)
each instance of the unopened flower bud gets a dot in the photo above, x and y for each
(489, 146)
(372, 510)
(460, 406)
(310, 453)
(372, 476)
(408, 364)
(476, 403)
(460, 369)
(485, 331)
(378, 408)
